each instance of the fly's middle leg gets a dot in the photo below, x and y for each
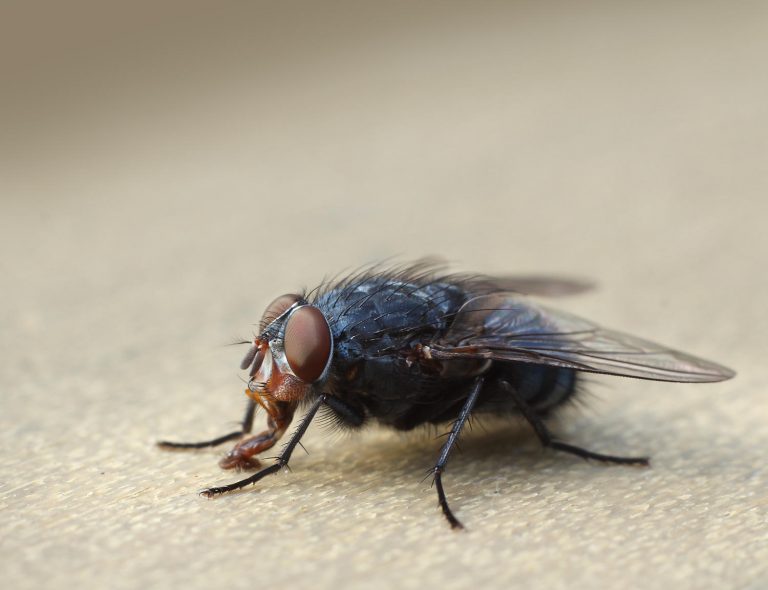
(453, 436)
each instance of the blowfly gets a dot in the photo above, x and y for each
(411, 346)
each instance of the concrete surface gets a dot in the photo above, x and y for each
(169, 168)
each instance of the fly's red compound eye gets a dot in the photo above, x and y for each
(307, 343)
(277, 308)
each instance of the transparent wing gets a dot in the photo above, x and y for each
(508, 327)
(541, 285)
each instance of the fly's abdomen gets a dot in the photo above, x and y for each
(541, 387)
(546, 387)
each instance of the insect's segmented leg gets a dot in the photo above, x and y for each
(439, 467)
(247, 425)
(281, 461)
(548, 440)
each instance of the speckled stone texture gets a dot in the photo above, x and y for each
(169, 168)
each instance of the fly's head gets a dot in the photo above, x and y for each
(292, 353)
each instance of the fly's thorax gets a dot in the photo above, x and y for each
(464, 368)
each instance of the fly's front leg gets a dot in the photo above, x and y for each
(453, 436)
(282, 460)
(247, 426)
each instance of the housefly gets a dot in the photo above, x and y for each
(412, 346)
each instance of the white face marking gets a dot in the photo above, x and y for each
(278, 354)
(264, 374)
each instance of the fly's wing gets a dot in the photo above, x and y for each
(541, 285)
(508, 327)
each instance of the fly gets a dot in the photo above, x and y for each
(410, 346)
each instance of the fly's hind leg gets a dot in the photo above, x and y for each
(246, 427)
(548, 440)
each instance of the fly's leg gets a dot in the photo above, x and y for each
(439, 467)
(247, 426)
(548, 440)
(282, 460)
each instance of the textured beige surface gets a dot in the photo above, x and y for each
(168, 169)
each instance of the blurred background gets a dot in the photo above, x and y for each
(167, 168)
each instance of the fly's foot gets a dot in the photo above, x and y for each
(212, 492)
(251, 479)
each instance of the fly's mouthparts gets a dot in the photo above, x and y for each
(257, 387)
